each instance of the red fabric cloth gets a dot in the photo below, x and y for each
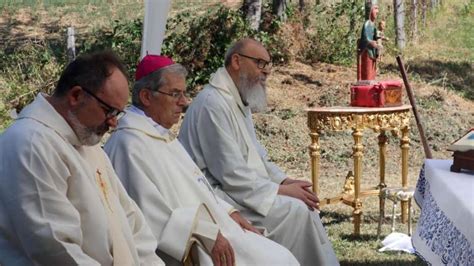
(367, 95)
(151, 63)
(380, 94)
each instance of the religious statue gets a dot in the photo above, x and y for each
(367, 50)
(369, 92)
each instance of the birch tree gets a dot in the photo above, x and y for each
(399, 15)
(253, 12)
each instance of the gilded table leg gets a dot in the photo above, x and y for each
(405, 145)
(358, 155)
(315, 154)
(382, 185)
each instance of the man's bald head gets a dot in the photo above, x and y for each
(241, 47)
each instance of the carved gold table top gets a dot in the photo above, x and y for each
(380, 120)
(343, 118)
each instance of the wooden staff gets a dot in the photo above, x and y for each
(413, 104)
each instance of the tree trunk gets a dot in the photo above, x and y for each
(253, 11)
(71, 44)
(423, 12)
(301, 5)
(279, 8)
(414, 20)
(399, 14)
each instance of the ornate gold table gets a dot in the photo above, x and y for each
(380, 120)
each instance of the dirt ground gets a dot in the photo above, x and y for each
(283, 128)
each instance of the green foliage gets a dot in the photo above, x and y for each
(26, 70)
(335, 32)
(197, 42)
(124, 39)
(200, 43)
(202, 51)
(467, 9)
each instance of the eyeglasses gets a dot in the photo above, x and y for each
(261, 63)
(176, 94)
(110, 111)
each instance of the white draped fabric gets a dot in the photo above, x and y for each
(219, 135)
(168, 186)
(61, 202)
(444, 233)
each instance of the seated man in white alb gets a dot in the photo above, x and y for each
(60, 200)
(173, 194)
(219, 134)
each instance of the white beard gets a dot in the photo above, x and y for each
(87, 136)
(254, 93)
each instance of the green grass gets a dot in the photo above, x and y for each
(444, 54)
(363, 250)
(457, 31)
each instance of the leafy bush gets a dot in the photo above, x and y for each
(334, 31)
(124, 39)
(197, 42)
(200, 45)
(26, 70)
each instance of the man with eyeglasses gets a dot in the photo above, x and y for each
(175, 197)
(218, 133)
(61, 201)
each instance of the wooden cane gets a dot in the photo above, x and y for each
(415, 111)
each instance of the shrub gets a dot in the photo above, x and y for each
(26, 70)
(333, 32)
(200, 45)
(197, 42)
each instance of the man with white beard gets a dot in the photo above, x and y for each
(219, 134)
(61, 202)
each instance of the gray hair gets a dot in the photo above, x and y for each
(236, 48)
(155, 80)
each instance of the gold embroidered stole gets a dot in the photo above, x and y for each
(121, 251)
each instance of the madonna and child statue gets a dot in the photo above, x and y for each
(368, 91)
(368, 45)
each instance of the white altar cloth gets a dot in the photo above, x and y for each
(445, 231)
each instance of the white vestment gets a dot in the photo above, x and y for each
(169, 188)
(219, 135)
(61, 202)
